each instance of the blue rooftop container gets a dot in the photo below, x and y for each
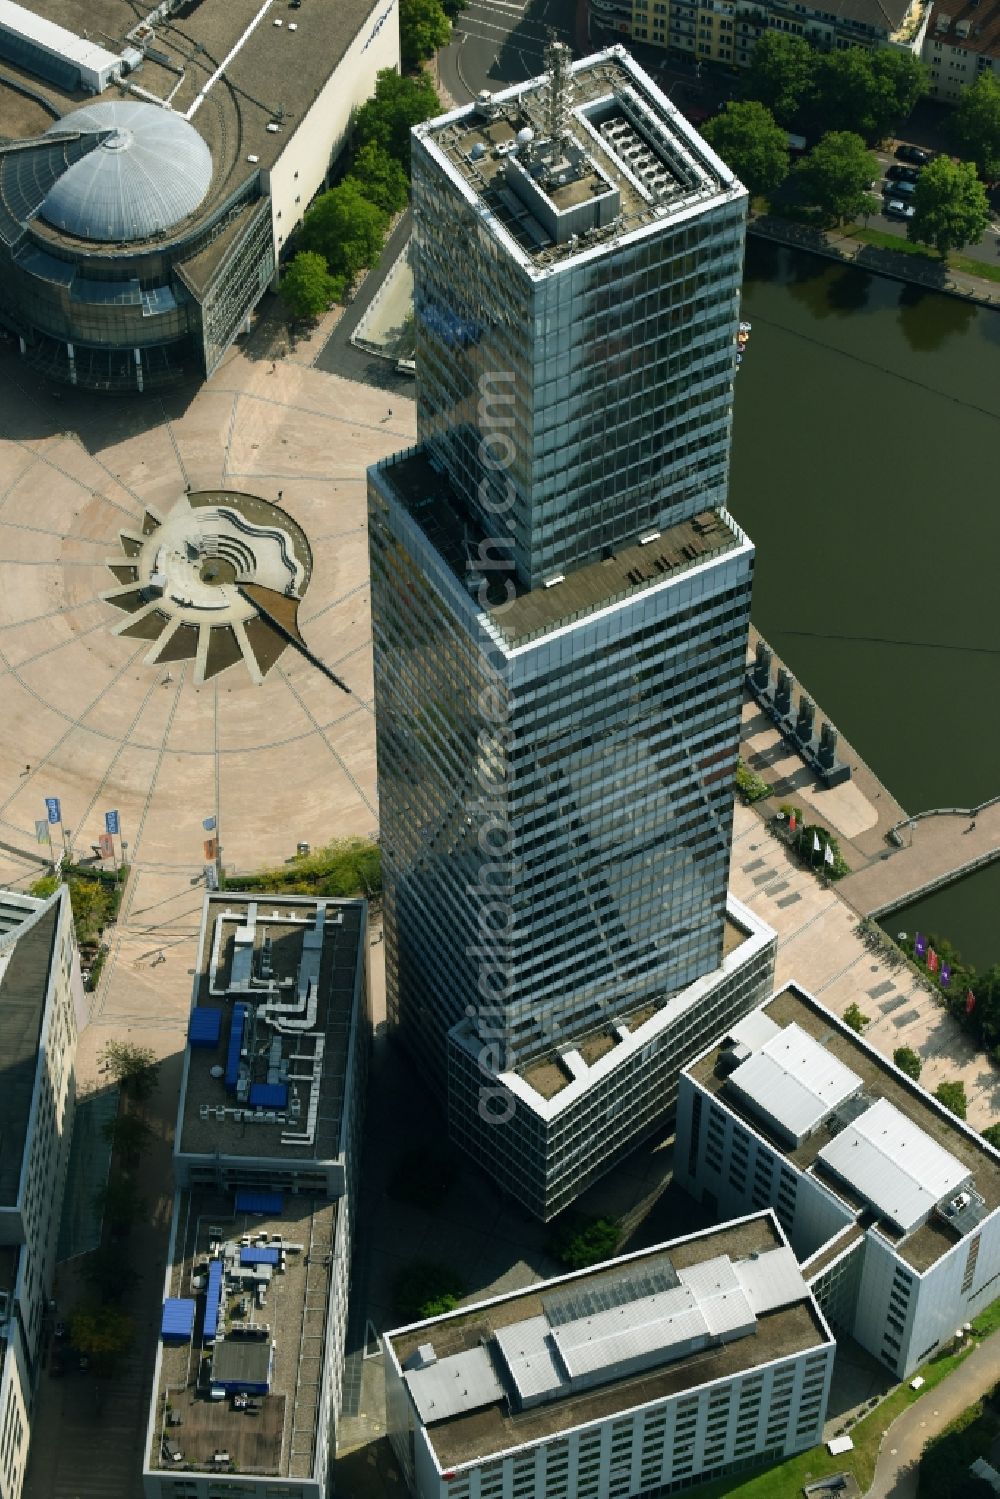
(205, 1026)
(249, 1201)
(250, 1256)
(178, 1320)
(213, 1298)
(268, 1095)
(235, 1042)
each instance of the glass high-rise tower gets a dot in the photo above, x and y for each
(560, 601)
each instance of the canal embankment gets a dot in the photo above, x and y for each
(846, 249)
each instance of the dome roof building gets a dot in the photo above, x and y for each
(145, 170)
(150, 184)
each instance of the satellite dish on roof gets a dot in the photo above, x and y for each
(217, 1072)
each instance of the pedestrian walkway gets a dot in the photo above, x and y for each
(821, 948)
(938, 848)
(89, 1159)
(897, 1469)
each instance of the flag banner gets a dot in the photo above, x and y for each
(945, 975)
(107, 845)
(920, 944)
(970, 1001)
(792, 823)
(208, 824)
(815, 843)
(211, 877)
(828, 855)
(42, 830)
(932, 960)
(53, 809)
(111, 823)
(211, 848)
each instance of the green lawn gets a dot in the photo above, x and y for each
(886, 241)
(786, 1480)
(987, 270)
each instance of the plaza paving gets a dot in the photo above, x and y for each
(290, 760)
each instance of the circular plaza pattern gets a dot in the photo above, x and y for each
(132, 534)
(216, 581)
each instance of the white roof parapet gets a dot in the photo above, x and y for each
(894, 1165)
(794, 1081)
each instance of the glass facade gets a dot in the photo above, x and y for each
(556, 800)
(618, 365)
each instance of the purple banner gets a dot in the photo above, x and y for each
(945, 975)
(920, 945)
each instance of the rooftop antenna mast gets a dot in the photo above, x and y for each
(559, 100)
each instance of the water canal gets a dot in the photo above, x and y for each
(866, 467)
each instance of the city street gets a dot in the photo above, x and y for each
(497, 42)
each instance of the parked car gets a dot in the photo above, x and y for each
(914, 154)
(60, 1331)
(903, 174)
(895, 208)
(899, 189)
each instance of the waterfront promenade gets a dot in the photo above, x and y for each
(895, 856)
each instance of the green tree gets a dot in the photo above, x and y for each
(908, 1061)
(950, 206)
(345, 229)
(423, 28)
(579, 1242)
(976, 125)
(453, 8)
(867, 92)
(952, 1095)
(854, 1018)
(121, 1202)
(750, 141)
(781, 75)
(102, 1333)
(905, 76)
(380, 177)
(991, 1134)
(426, 1289)
(134, 1068)
(129, 1134)
(836, 174)
(397, 105)
(307, 288)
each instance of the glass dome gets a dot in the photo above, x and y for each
(147, 170)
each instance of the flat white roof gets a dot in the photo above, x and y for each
(546, 1357)
(462, 1382)
(771, 1280)
(754, 1030)
(55, 39)
(894, 1165)
(794, 1080)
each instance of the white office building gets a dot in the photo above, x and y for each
(890, 1202)
(250, 1366)
(641, 1376)
(42, 1007)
